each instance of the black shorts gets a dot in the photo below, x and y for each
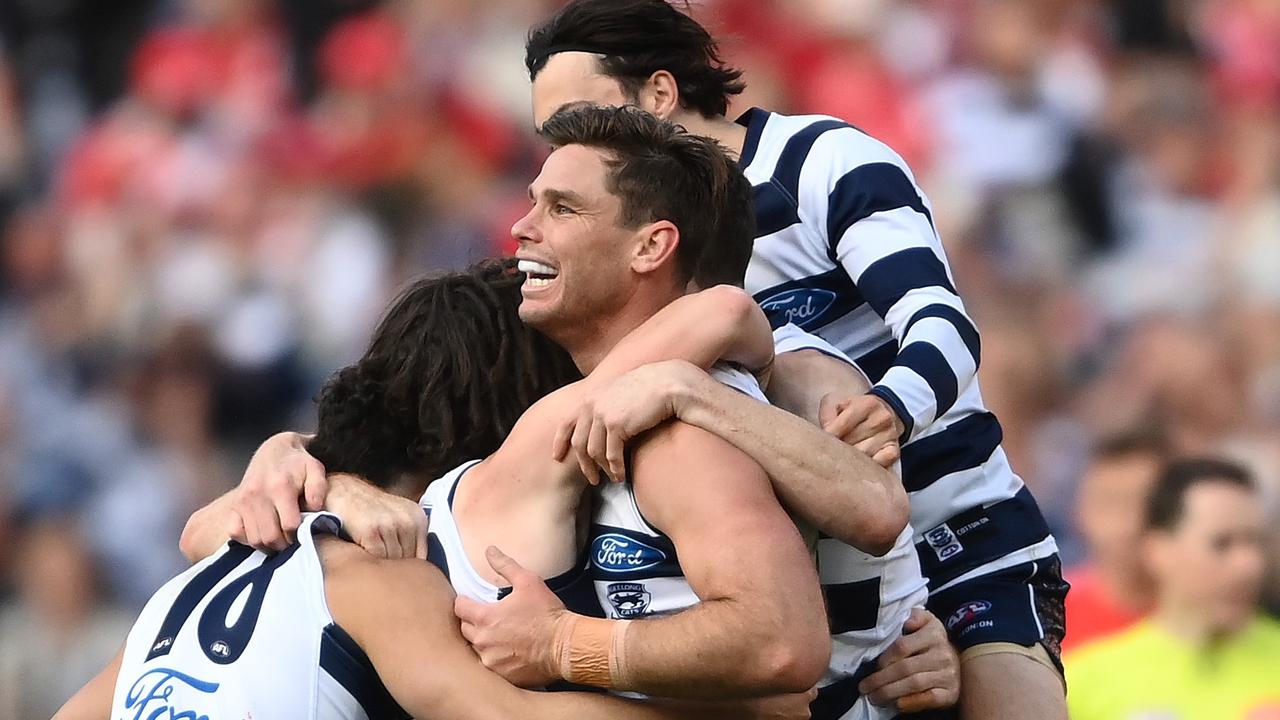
(1023, 605)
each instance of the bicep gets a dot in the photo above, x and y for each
(802, 378)
(412, 639)
(712, 500)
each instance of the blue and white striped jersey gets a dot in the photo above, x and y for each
(846, 249)
(243, 634)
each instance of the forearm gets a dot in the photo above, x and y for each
(834, 486)
(722, 323)
(718, 649)
(207, 529)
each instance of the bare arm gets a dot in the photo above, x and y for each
(413, 641)
(722, 323)
(760, 625)
(830, 484)
(93, 701)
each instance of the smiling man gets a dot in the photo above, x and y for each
(846, 248)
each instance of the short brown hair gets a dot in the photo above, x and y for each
(661, 172)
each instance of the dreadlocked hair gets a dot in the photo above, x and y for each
(449, 371)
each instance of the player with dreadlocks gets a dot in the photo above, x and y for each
(450, 370)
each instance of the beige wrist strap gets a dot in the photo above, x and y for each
(591, 651)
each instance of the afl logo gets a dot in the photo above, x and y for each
(628, 599)
(967, 613)
(613, 552)
(801, 306)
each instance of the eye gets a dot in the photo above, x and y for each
(561, 209)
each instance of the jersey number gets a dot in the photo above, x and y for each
(221, 643)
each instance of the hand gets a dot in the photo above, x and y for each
(608, 418)
(514, 637)
(265, 511)
(918, 672)
(865, 422)
(383, 524)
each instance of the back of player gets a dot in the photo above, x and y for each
(245, 635)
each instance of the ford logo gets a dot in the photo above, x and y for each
(613, 552)
(800, 306)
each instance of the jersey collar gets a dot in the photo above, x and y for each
(754, 121)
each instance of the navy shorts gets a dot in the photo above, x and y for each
(1023, 604)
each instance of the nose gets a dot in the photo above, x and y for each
(525, 229)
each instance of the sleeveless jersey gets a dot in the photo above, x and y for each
(446, 551)
(243, 634)
(637, 574)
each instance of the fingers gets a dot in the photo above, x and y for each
(902, 678)
(564, 439)
(596, 441)
(373, 543)
(581, 434)
(886, 456)
(288, 516)
(469, 612)
(919, 619)
(828, 409)
(421, 532)
(615, 456)
(235, 529)
(391, 540)
(932, 699)
(315, 484)
(510, 570)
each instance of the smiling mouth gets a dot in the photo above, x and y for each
(537, 275)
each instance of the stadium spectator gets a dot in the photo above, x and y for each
(1113, 591)
(1206, 651)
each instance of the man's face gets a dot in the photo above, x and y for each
(1213, 560)
(572, 77)
(1113, 494)
(572, 245)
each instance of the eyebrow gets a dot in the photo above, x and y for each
(552, 195)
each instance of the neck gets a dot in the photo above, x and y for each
(1187, 623)
(591, 342)
(720, 128)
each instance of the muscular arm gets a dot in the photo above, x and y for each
(759, 627)
(412, 639)
(832, 485)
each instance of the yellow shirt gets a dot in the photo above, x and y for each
(1147, 674)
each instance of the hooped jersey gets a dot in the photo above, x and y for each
(846, 249)
(637, 574)
(243, 634)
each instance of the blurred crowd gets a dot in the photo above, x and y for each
(204, 204)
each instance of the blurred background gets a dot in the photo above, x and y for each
(204, 204)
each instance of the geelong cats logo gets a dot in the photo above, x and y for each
(629, 599)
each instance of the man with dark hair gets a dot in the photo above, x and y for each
(846, 248)
(1206, 651)
(305, 642)
(1113, 589)
(602, 253)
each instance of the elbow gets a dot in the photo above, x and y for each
(889, 524)
(792, 662)
(188, 543)
(878, 533)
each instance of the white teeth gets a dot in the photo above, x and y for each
(537, 282)
(530, 266)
